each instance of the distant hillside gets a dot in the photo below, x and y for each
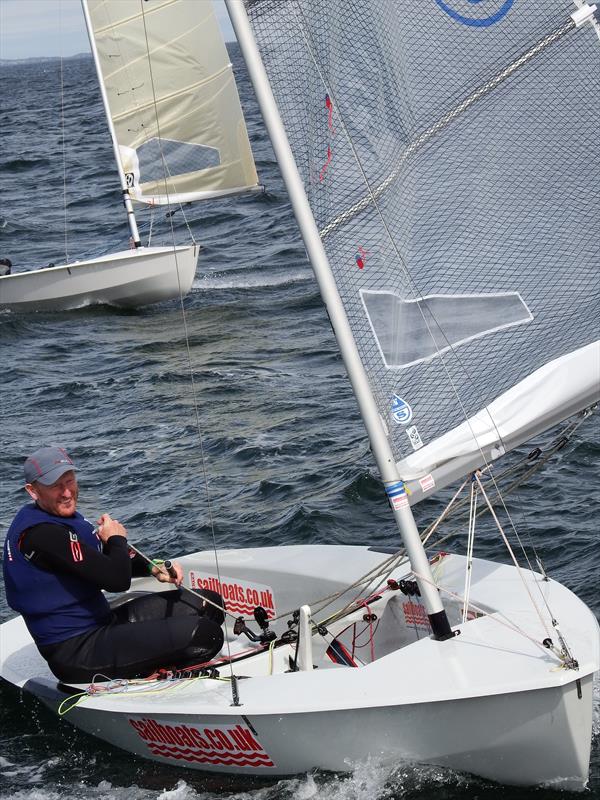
(9, 62)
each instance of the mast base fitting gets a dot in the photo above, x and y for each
(440, 627)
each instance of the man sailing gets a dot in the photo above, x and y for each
(55, 568)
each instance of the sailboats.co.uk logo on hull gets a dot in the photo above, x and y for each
(240, 597)
(216, 745)
(491, 11)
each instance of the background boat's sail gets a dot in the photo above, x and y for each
(446, 154)
(173, 99)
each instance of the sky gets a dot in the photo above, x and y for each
(30, 28)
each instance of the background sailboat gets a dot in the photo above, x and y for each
(178, 135)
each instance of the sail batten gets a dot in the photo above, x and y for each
(172, 100)
(445, 159)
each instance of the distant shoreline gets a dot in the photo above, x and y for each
(7, 62)
(33, 59)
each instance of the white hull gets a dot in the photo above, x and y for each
(490, 701)
(127, 279)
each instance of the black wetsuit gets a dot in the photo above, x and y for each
(158, 629)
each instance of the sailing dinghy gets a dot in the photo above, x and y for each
(464, 301)
(178, 136)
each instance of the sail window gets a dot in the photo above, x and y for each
(179, 157)
(411, 331)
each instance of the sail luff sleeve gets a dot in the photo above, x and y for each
(446, 160)
(173, 100)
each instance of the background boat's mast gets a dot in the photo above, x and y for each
(337, 315)
(123, 180)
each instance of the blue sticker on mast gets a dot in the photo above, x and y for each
(494, 11)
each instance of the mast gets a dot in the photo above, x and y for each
(339, 321)
(122, 179)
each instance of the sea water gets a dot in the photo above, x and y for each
(266, 448)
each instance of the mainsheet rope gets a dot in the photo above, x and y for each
(63, 136)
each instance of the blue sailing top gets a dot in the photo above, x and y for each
(55, 606)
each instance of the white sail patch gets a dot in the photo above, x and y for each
(409, 332)
(178, 158)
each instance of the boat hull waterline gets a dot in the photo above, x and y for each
(126, 279)
(490, 702)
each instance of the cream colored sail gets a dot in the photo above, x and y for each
(172, 99)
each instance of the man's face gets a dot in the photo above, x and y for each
(60, 498)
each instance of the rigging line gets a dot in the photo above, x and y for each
(235, 696)
(448, 511)
(385, 567)
(62, 128)
(141, 126)
(501, 619)
(369, 577)
(163, 569)
(499, 497)
(428, 532)
(521, 545)
(166, 171)
(373, 196)
(470, 546)
(446, 119)
(151, 228)
(389, 565)
(566, 434)
(537, 465)
(510, 550)
(559, 444)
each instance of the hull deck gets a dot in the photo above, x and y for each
(492, 701)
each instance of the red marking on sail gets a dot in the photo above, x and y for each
(360, 257)
(325, 165)
(329, 107)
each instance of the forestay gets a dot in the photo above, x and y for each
(180, 131)
(447, 154)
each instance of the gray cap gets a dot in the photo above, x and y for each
(47, 465)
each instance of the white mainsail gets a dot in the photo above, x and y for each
(445, 160)
(180, 130)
